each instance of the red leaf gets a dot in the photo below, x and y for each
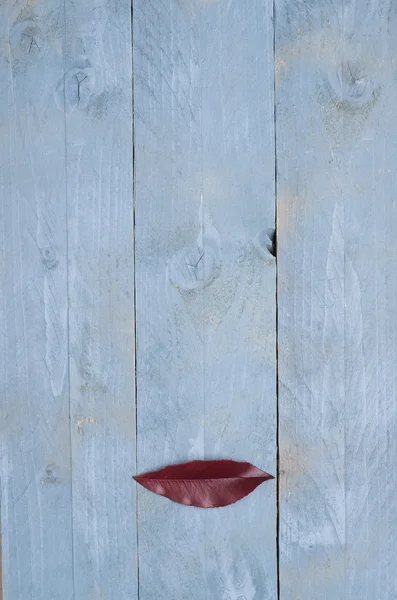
(205, 483)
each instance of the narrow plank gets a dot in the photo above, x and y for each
(204, 160)
(335, 98)
(35, 442)
(97, 88)
(371, 303)
(170, 398)
(238, 314)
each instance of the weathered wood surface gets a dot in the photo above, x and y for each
(97, 88)
(205, 284)
(67, 291)
(205, 290)
(336, 146)
(36, 507)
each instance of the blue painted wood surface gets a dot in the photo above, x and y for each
(336, 96)
(97, 92)
(205, 285)
(202, 89)
(68, 440)
(36, 503)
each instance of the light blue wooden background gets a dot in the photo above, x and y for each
(146, 155)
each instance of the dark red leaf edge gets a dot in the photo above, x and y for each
(205, 483)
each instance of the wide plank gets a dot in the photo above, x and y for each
(337, 302)
(35, 471)
(205, 288)
(97, 94)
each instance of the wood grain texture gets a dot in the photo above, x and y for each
(336, 148)
(97, 88)
(35, 442)
(205, 282)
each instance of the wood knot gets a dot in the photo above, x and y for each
(49, 257)
(351, 84)
(197, 265)
(266, 243)
(75, 89)
(27, 41)
(51, 476)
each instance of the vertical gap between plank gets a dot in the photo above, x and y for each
(1, 567)
(68, 296)
(344, 312)
(200, 25)
(277, 338)
(135, 312)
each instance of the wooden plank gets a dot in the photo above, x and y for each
(204, 159)
(35, 442)
(335, 99)
(239, 309)
(98, 95)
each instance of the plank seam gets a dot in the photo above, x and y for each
(274, 247)
(135, 295)
(1, 566)
(68, 306)
(344, 315)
